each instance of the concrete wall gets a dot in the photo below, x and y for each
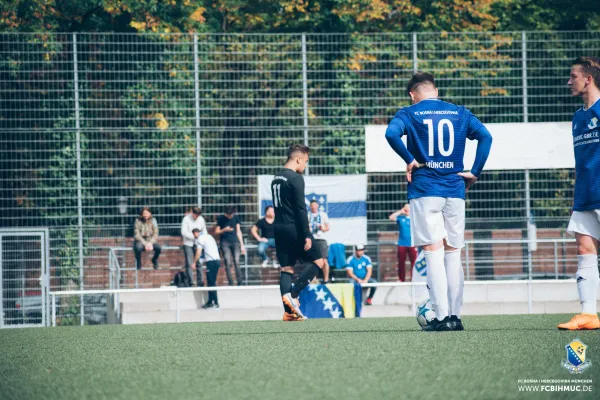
(481, 298)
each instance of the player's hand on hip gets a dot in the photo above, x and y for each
(409, 169)
(307, 244)
(469, 178)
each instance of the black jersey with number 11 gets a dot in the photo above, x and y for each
(287, 190)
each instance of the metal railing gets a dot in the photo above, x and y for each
(518, 259)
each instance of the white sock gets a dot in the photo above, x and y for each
(456, 281)
(437, 282)
(587, 282)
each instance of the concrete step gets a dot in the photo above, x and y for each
(210, 315)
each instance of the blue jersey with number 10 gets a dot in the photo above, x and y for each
(436, 136)
(586, 143)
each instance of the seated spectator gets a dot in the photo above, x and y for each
(359, 269)
(145, 238)
(266, 237)
(207, 244)
(232, 243)
(192, 220)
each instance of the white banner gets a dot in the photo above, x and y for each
(342, 197)
(516, 146)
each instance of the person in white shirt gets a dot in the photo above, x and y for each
(206, 243)
(192, 221)
(318, 222)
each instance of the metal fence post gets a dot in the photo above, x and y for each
(305, 93)
(197, 98)
(524, 75)
(529, 260)
(412, 296)
(177, 315)
(379, 263)
(79, 190)
(528, 212)
(555, 260)
(1, 288)
(53, 309)
(414, 48)
(467, 259)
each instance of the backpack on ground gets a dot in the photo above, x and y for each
(182, 280)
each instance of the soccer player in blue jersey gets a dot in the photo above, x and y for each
(436, 134)
(585, 220)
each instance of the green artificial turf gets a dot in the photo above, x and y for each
(318, 359)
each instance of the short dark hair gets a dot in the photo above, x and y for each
(590, 66)
(314, 201)
(195, 230)
(419, 78)
(267, 207)
(196, 211)
(297, 148)
(231, 210)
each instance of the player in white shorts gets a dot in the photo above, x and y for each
(436, 136)
(585, 220)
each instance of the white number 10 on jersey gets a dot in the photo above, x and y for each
(440, 136)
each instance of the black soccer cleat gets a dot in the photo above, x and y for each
(438, 326)
(456, 323)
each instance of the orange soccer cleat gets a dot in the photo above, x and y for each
(581, 322)
(291, 317)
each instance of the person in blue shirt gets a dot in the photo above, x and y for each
(402, 218)
(436, 134)
(359, 269)
(584, 82)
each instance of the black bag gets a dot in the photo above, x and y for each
(182, 280)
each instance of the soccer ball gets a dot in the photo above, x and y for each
(425, 313)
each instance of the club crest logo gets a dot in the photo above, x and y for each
(593, 123)
(576, 362)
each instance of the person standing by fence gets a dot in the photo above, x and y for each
(192, 221)
(318, 221)
(145, 238)
(402, 218)
(232, 242)
(208, 244)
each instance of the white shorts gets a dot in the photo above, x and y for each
(586, 223)
(435, 218)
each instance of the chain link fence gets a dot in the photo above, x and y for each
(91, 122)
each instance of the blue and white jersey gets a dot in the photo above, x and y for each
(359, 265)
(586, 144)
(404, 239)
(436, 136)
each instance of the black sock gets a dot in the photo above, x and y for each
(372, 292)
(285, 286)
(309, 273)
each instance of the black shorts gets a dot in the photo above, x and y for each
(321, 246)
(290, 247)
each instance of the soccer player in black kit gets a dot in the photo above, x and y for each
(293, 239)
